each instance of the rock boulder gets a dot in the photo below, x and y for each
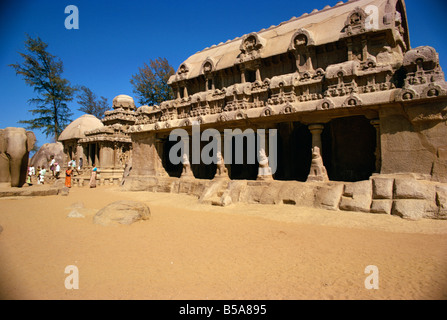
(122, 212)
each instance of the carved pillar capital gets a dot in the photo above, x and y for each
(316, 129)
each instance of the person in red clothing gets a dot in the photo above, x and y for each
(68, 174)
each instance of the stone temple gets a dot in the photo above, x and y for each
(360, 117)
(103, 143)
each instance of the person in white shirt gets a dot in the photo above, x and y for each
(31, 173)
(42, 173)
(58, 170)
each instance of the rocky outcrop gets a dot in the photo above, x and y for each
(43, 156)
(122, 212)
(33, 191)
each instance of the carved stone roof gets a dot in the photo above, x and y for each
(124, 102)
(78, 127)
(320, 27)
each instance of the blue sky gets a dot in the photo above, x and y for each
(115, 38)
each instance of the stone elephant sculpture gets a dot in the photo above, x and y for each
(15, 145)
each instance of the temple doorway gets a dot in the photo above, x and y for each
(294, 151)
(348, 148)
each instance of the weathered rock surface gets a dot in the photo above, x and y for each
(441, 201)
(382, 188)
(413, 189)
(381, 206)
(411, 209)
(33, 191)
(328, 197)
(122, 212)
(357, 196)
(380, 194)
(43, 156)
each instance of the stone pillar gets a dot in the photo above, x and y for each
(264, 170)
(242, 68)
(85, 155)
(258, 71)
(316, 129)
(79, 153)
(222, 171)
(226, 153)
(115, 155)
(364, 48)
(221, 76)
(207, 79)
(377, 152)
(177, 92)
(145, 158)
(159, 147)
(97, 157)
(317, 170)
(106, 155)
(89, 150)
(187, 151)
(102, 159)
(349, 44)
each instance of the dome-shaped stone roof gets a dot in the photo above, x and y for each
(124, 101)
(76, 129)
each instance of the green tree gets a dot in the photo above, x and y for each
(90, 103)
(151, 82)
(42, 71)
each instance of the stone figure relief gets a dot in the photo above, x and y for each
(356, 22)
(300, 40)
(186, 172)
(222, 171)
(15, 145)
(250, 44)
(317, 169)
(264, 171)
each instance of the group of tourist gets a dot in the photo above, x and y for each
(70, 171)
(41, 171)
(55, 168)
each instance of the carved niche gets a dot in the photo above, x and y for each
(251, 47)
(207, 71)
(302, 45)
(207, 66)
(182, 71)
(424, 78)
(355, 23)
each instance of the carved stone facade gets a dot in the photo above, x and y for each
(343, 80)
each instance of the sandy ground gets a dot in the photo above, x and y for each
(193, 251)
